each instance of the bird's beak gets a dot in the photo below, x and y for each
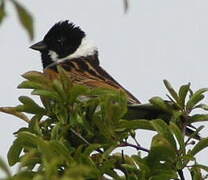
(40, 46)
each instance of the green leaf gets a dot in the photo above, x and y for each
(179, 136)
(28, 137)
(201, 167)
(195, 98)
(34, 124)
(55, 132)
(58, 87)
(4, 168)
(25, 18)
(202, 106)
(202, 144)
(76, 92)
(45, 149)
(31, 159)
(30, 85)
(162, 128)
(78, 172)
(50, 94)
(130, 168)
(25, 175)
(37, 77)
(161, 150)
(91, 148)
(165, 176)
(183, 91)
(198, 118)
(64, 77)
(191, 104)
(171, 90)
(196, 173)
(13, 154)
(109, 150)
(30, 106)
(2, 12)
(61, 149)
(141, 163)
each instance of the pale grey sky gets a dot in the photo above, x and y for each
(156, 40)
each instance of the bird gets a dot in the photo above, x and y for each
(67, 45)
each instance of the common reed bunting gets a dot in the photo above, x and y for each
(67, 45)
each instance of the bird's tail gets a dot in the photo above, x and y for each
(150, 112)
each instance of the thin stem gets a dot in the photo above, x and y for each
(195, 133)
(181, 175)
(137, 143)
(123, 159)
(134, 146)
(83, 139)
(79, 136)
(13, 111)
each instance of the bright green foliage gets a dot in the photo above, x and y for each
(73, 134)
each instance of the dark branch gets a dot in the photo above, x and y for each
(134, 146)
(83, 139)
(181, 175)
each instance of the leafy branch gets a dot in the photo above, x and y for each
(71, 138)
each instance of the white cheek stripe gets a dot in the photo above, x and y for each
(86, 48)
(53, 55)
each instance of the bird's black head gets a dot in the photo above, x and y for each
(62, 40)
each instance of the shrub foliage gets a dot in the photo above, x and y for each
(76, 131)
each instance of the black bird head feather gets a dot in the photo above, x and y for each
(63, 38)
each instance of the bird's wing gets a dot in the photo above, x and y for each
(88, 72)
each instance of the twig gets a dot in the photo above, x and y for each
(134, 146)
(123, 162)
(180, 173)
(13, 111)
(79, 136)
(137, 143)
(122, 153)
(195, 133)
(83, 139)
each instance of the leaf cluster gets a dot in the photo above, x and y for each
(75, 132)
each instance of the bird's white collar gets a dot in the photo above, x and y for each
(86, 48)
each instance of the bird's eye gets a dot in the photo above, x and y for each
(60, 40)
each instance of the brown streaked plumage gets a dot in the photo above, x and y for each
(87, 71)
